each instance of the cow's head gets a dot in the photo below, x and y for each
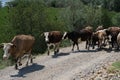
(46, 35)
(7, 48)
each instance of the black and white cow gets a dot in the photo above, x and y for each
(53, 38)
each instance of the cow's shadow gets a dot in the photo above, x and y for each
(25, 70)
(84, 51)
(60, 54)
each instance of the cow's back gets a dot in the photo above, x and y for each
(74, 35)
(85, 34)
(114, 30)
(23, 43)
(55, 36)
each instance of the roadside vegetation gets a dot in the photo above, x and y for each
(115, 67)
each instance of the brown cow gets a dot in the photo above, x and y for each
(53, 38)
(118, 41)
(113, 32)
(18, 47)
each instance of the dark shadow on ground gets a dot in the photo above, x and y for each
(116, 50)
(60, 54)
(86, 51)
(105, 49)
(29, 69)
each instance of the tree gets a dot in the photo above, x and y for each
(28, 17)
(106, 18)
(116, 19)
(112, 5)
(33, 17)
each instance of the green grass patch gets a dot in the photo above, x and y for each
(115, 67)
(5, 63)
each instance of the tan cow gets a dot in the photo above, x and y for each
(99, 28)
(102, 36)
(18, 47)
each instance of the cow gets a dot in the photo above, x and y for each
(95, 39)
(73, 36)
(101, 37)
(99, 28)
(53, 38)
(18, 47)
(118, 41)
(113, 32)
(84, 35)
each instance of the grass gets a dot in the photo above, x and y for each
(115, 67)
(3, 63)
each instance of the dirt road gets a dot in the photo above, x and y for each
(66, 65)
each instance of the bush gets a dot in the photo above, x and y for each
(116, 20)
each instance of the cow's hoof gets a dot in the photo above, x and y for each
(72, 49)
(31, 61)
(48, 54)
(57, 51)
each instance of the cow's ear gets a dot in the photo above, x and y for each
(1, 45)
(13, 46)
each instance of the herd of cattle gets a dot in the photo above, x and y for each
(22, 44)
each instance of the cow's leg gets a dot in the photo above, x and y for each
(58, 47)
(73, 46)
(99, 44)
(112, 42)
(93, 44)
(106, 40)
(89, 44)
(55, 46)
(77, 45)
(86, 44)
(48, 47)
(29, 58)
(117, 46)
(19, 61)
(16, 61)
